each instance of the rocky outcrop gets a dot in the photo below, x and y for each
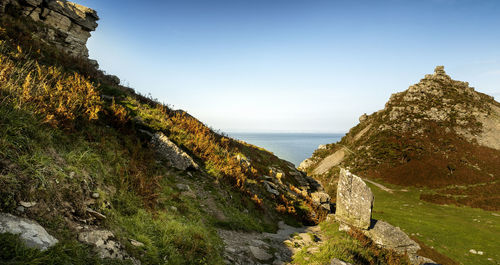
(385, 235)
(354, 201)
(29, 231)
(105, 245)
(68, 24)
(304, 165)
(173, 155)
(354, 209)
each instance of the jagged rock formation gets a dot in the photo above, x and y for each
(439, 132)
(30, 232)
(174, 156)
(68, 24)
(354, 201)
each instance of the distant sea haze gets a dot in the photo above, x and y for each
(293, 147)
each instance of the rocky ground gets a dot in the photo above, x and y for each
(268, 248)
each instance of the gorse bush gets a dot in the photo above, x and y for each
(60, 97)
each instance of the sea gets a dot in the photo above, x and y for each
(293, 147)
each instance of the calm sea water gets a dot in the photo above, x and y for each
(294, 147)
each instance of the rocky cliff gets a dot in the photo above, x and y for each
(438, 132)
(68, 25)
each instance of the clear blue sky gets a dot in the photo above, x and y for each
(293, 65)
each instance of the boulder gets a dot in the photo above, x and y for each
(320, 197)
(387, 236)
(354, 201)
(260, 254)
(29, 231)
(174, 156)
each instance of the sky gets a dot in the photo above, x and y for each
(292, 65)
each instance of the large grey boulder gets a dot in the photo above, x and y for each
(29, 231)
(174, 156)
(385, 235)
(354, 201)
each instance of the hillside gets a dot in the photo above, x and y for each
(439, 133)
(92, 160)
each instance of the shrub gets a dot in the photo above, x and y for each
(60, 97)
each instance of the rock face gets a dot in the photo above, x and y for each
(388, 236)
(354, 201)
(69, 24)
(174, 156)
(30, 232)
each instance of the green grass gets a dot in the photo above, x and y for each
(451, 230)
(340, 245)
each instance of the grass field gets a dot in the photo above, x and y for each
(449, 229)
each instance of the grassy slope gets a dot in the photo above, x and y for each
(450, 229)
(58, 147)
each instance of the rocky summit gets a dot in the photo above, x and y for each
(438, 132)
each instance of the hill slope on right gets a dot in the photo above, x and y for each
(439, 133)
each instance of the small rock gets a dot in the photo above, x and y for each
(27, 204)
(473, 251)
(136, 243)
(96, 214)
(189, 194)
(480, 252)
(183, 187)
(95, 195)
(336, 261)
(313, 250)
(20, 209)
(259, 253)
(278, 262)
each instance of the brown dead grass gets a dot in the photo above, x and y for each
(426, 251)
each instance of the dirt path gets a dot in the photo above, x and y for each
(267, 248)
(382, 187)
